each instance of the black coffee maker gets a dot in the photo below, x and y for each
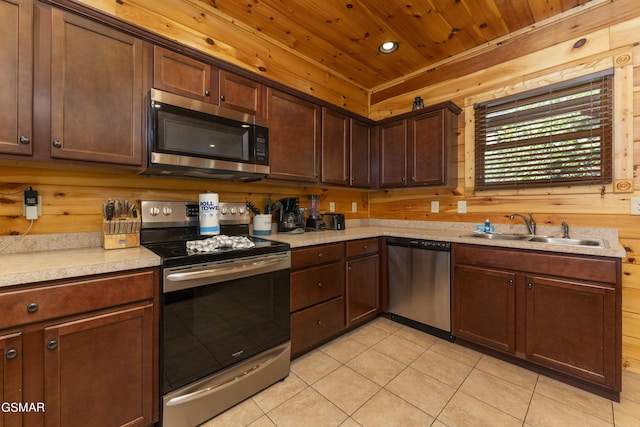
(290, 219)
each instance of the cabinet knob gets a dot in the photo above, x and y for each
(530, 285)
(510, 282)
(320, 255)
(364, 247)
(51, 345)
(413, 178)
(57, 143)
(11, 353)
(222, 98)
(404, 179)
(24, 140)
(207, 93)
(320, 285)
(32, 307)
(319, 322)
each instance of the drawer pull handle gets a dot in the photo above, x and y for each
(530, 285)
(364, 247)
(320, 284)
(320, 255)
(11, 353)
(510, 282)
(32, 307)
(319, 322)
(51, 345)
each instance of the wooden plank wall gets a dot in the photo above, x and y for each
(577, 207)
(72, 200)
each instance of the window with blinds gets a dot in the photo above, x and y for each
(559, 135)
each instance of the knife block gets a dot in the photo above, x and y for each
(121, 233)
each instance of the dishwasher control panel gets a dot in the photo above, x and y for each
(434, 245)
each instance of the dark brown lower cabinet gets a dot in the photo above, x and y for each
(81, 352)
(363, 281)
(560, 314)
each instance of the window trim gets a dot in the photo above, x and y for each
(544, 174)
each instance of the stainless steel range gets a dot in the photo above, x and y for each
(225, 332)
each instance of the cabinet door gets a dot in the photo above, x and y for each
(96, 92)
(484, 307)
(335, 148)
(360, 156)
(181, 75)
(571, 327)
(363, 288)
(427, 149)
(393, 154)
(240, 94)
(294, 128)
(99, 370)
(11, 377)
(16, 75)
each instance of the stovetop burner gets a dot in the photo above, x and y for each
(168, 226)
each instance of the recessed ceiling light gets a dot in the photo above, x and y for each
(388, 47)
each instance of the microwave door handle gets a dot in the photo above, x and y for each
(222, 271)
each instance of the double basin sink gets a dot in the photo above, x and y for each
(599, 243)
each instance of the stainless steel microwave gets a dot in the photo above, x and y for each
(196, 139)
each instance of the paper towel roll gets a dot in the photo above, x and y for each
(209, 214)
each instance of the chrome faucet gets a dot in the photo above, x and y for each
(530, 223)
(565, 230)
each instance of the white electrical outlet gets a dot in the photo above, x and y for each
(354, 206)
(462, 206)
(435, 206)
(332, 206)
(635, 206)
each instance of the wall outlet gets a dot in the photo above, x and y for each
(635, 206)
(332, 206)
(31, 210)
(435, 206)
(354, 206)
(462, 206)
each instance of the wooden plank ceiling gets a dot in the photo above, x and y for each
(343, 36)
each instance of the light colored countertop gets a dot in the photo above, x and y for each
(49, 257)
(458, 233)
(39, 258)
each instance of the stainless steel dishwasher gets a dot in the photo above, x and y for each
(419, 285)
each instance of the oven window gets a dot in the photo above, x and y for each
(224, 139)
(208, 328)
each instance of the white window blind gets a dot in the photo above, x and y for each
(559, 135)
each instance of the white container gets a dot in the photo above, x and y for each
(209, 215)
(262, 225)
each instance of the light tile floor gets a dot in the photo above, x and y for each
(387, 374)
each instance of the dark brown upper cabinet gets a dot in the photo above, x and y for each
(294, 135)
(16, 76)
(414, 151)
(92, 77)
(180, 74)
(346, 150)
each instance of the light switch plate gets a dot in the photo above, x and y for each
(462, 206)
(435, 206)
(635, 206)
(332, 206)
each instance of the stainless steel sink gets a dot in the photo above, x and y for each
(564, 241)
(500, 236)
(539, 239)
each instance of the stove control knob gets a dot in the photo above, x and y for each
(241, 211)
(233, 211)
(166, 211)
(154, 211)
(225, 211)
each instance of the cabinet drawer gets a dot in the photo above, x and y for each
(50, 302)
(314, 285)
(316, 324)
(315, 255)
(362, 247)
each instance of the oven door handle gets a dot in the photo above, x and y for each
(223, 271)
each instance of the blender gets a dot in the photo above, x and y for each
(314, 222)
